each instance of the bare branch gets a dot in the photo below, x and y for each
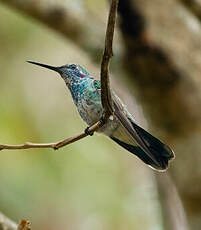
(54, 145)
(105, 93)
(7, 224)
(108, 53)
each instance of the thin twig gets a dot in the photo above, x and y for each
(105, 92)
(54, 145)
(108, 53)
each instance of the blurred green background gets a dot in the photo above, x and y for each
(91, 184)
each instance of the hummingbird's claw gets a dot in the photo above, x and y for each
(55, 147)
(102, 120)
(88, 132)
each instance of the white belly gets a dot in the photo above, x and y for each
(91, 113)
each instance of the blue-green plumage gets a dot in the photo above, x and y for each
(86, 94)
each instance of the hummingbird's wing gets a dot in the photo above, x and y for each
(138, 141)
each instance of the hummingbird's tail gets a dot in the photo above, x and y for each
(139, 142)
(160, 152)
(154, 152)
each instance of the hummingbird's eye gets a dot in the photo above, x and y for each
(73, 66)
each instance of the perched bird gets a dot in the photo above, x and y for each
(86, 94)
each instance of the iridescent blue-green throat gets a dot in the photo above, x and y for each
(86, 94)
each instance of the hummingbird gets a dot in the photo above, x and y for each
(122, 128)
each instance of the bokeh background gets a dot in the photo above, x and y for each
(93, 183)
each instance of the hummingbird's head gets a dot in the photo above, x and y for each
(72, 73)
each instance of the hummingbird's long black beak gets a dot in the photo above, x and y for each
(54, 68)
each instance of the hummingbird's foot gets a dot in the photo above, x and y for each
(88, 132)
(102, 120)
